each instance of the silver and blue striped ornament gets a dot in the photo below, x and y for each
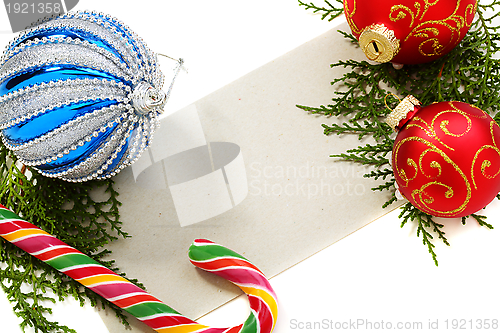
(80, 96)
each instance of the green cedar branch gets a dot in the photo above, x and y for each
(331, 11)
(425, 225)
(376, 174)
(69, 212)
(481, 219)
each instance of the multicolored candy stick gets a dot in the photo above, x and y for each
(148, 309)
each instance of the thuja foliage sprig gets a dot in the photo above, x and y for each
(470, 73)
(70, 212)
(330, 11)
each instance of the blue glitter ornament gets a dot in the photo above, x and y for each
(80, 96)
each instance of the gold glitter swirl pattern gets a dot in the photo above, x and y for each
(349, 14)
(403, 175)
(402, 11)
(428, 30)
(486, 163)
(430, 130)
(420, 196)
(423, 196)
(436, 165)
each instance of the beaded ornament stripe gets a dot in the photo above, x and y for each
(69, 63)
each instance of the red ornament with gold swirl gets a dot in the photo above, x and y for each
(409, 31)
(446, 158)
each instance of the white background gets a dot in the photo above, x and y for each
(381, 273)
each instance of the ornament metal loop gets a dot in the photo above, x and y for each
(385, 100)
(379, 43)
(180, 65)
(401, 111)
(146, 98)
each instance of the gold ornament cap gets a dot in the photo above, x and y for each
(403, 112)
(379, 43)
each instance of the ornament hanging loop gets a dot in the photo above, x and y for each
(385, 100)
(166, 56)
(180, 63)
(373, 50)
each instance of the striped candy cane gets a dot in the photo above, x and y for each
(148, 309)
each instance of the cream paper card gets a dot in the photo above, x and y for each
(246, 168)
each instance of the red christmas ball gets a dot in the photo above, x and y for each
(409, 31)
(446, 158)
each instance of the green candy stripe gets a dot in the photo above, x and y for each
(251, 324)
(71, 259)
(150, 308)
(209, 252)
(6, 214)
